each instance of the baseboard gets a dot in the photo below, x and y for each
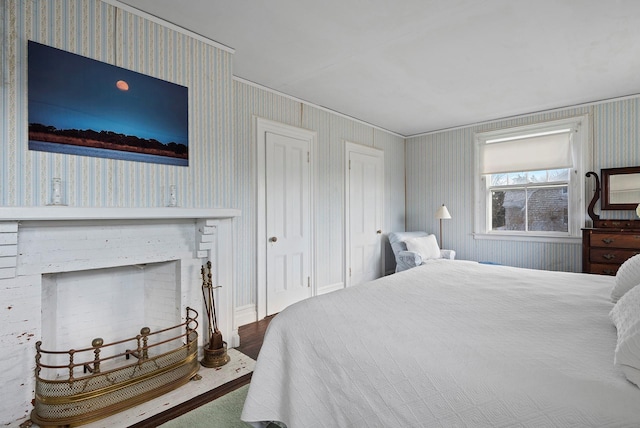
(329, 288)
(245, 315)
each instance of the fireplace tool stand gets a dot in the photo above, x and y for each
(215, 352)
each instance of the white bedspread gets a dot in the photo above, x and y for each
(450, 343)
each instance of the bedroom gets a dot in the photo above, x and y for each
(436, 166)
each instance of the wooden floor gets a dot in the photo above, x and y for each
(251, 337)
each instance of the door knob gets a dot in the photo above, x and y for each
(378, 231)
(273, 239)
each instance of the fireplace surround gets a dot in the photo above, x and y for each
(39, 245)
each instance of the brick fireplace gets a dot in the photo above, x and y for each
(68, 275)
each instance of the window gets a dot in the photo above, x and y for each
(534, 201)
(529, 181)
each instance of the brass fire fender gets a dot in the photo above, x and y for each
(79, 400)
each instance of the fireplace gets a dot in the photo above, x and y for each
(70, 275)
(79, 306)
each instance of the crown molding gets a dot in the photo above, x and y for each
(169, 25)
(310, 104)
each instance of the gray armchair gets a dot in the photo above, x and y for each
(408, 259)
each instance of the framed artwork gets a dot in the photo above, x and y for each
(80, 106)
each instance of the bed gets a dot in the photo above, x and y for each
(448, 343)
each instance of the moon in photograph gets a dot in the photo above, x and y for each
(122, 85)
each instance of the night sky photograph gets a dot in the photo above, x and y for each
(77, 105)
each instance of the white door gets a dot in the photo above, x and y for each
(365, 190)
(288, 221)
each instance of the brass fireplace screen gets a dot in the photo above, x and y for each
(82, 391)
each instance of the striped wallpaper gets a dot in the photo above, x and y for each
(440, 170)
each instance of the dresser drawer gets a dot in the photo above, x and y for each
(610, 255)
(604, 269)
(615, 240)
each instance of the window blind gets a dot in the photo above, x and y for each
(535, 153)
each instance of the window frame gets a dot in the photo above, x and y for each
(576, 183)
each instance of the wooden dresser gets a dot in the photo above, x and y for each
(608, 244)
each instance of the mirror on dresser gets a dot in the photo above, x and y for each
(610, 242)
(620, 188)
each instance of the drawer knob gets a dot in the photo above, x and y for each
(609, 256)
(608, 240)
(608, 271)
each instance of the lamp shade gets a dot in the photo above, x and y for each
(443, 213)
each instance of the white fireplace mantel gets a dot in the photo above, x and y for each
(59, 212)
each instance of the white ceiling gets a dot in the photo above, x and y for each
(413, 66)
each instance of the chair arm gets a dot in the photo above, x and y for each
(448, 254)
(408, 260)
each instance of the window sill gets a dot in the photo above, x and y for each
(529, 238)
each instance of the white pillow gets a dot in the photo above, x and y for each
(628, 276)
(426, 246)
(626, 312)
(626, 317)
(628, 353)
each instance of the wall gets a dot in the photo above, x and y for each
(333, 130)
(440, 170)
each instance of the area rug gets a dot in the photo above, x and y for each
(223, 412)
